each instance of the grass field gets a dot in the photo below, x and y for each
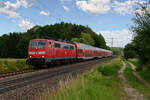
(100, 84)
(135, 83)
(8, 65)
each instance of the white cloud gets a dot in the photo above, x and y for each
(120, 37)
(9, 13)
(44, 13)
(26, 3)
(8, 9)
(25, 24)
(126, 7)
(66, 8)
(94, 7)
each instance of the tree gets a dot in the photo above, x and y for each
(141, 31)
(85, 38)
(75, 39)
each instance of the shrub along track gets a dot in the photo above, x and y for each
(14, 83)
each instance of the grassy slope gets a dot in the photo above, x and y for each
(135, 83)
(101, 84)
(143, 72)
(7, 65)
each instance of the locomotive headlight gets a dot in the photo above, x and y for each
(41, 52)
(31, 53)
(42, 56)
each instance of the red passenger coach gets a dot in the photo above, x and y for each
(87, 52)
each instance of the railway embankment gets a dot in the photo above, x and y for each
(32, 86)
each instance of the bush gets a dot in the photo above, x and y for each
(129, 54)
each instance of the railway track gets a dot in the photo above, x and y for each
(19, 82)
(7, 74)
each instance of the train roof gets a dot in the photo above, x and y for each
(81, 44)
(92, 47)
(38, 39)
(62, 42)
(86, 46)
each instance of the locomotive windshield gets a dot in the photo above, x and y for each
(37, 44)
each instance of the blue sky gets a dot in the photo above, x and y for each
(111, 18)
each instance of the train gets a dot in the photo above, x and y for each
(48, 51)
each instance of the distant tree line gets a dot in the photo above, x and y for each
(140, 46)
(15, 45)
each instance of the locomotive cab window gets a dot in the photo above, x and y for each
(57, 45)
(37, 44)
(41, 43)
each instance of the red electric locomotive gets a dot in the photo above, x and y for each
(44, 51)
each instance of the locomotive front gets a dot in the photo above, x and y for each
(38, 51)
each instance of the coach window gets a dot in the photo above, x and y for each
(66, 47)
(57, 45)
(71, 47)
(80, 50)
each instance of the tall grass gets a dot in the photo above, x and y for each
(8, 65)
(99, 84)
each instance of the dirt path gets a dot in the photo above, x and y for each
(133, 67)
(132, 93)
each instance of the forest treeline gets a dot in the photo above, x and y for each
(15, 45)
(140, 46)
